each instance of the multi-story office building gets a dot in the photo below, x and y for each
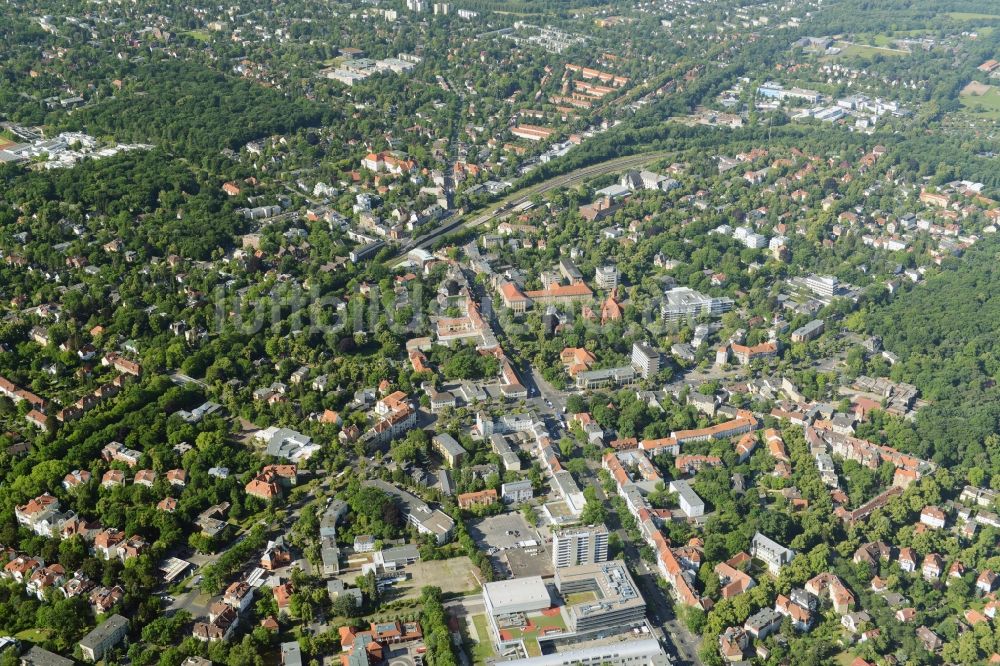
(682, 303)
(579, 545)
(606, 277)
(645, 360)
(821, 285)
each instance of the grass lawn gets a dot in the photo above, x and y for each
(200, 35)
(986, 105)
(33, 635)
(844, 659)
(580, 598)
(483, 647)
(864, 51)
(970, 16)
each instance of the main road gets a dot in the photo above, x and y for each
(525, 194)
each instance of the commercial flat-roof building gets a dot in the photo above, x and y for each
(573, 546)
(616, 601)
(644, 652)
(591, 379)
(291, 654)
(606, 277)
(821, 285)
(645, 360)
(519, 595)
(682, 303)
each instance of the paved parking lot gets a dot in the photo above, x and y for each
(521, 563)
(405, 655)
(501, 532)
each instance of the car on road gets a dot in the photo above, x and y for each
(169, 599)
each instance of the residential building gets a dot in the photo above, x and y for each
(449, 448)
(36, 656)
(103, 638)
(746, 355)
(692, 505)
(829, 585)
(239, 596)
(763, 623)
(773, 554)
(986, 582)
(733, 581)
(810, 331)
(486, 497)
(515, 492)
(800, 608)
(907, 560)
(38, 514)
(932, 517)
(733, 642)
(933, 567)
(427, 521)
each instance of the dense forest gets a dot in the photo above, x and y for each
(945, 336)
(194, 109)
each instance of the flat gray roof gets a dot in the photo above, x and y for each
(518, 592)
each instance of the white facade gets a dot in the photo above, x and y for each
(580, 545)
(692, 505)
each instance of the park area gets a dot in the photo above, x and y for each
(981, 99)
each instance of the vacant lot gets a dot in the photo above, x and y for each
(454, 575)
